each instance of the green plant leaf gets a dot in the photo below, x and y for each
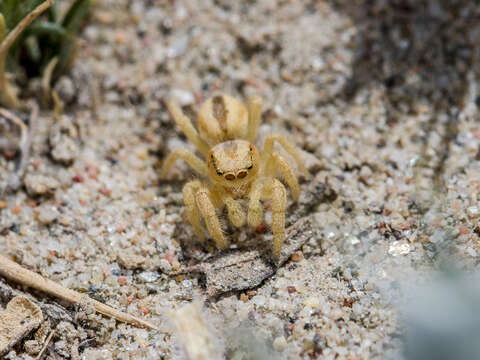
(52, 13)
(75, 15)
(32, 48)
(48, 28)
(72, 22)
(15, 10)
(3, 28)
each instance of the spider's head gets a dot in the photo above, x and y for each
(233, 163)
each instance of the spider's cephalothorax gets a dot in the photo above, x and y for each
(235, 169)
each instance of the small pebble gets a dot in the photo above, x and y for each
(313, 302)
(46, 214)
(148, 276)
(40, 184)
(399, 248)
(16, 209)
(473, 211)
(280, 344)
(183, 97)
(297, 256)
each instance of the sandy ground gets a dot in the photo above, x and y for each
(383, 96)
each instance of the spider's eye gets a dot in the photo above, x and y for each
(219, 173)
(250, 167)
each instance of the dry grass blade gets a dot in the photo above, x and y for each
(47, 79)
(6, 95)
(47, 341)
(11, 270)
(25, 143)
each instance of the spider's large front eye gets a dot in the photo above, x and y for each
(250, 167)
(241, 174)
(219, 173)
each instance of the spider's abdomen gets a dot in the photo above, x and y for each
(222, 118)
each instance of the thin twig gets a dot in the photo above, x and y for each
(26, 145)
(13, 271)
(47, 341)
(9, 98)
(26, 136)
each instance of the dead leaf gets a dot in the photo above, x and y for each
(240, 269)
(19, 318)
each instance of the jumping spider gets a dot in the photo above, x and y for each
(225, 137)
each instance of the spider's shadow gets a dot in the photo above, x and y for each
(436, 41)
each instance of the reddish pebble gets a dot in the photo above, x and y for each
(10, 154)
(105, 191)
(16, 209)
(260, 228)
(36, 164)
(463, 230)
(3, 204)
(52, 252)
(92, 172)
(82, 202)
(291, 289)
(297, 256)
(77, 179)
(170, 256)
(32, 203)
(122, 280)
(144, 310)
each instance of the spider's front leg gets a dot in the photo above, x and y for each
(276, 191)
(191, 159)
(278, 162)
(189, 191)
(205, 203)
(288, 146)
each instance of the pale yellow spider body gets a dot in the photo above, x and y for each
(234, 167)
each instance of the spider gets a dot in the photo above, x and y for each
(234, 167)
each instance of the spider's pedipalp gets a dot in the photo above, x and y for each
(191, 159)
(236, 214)
(255, 210)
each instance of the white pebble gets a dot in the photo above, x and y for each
(280, 344)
